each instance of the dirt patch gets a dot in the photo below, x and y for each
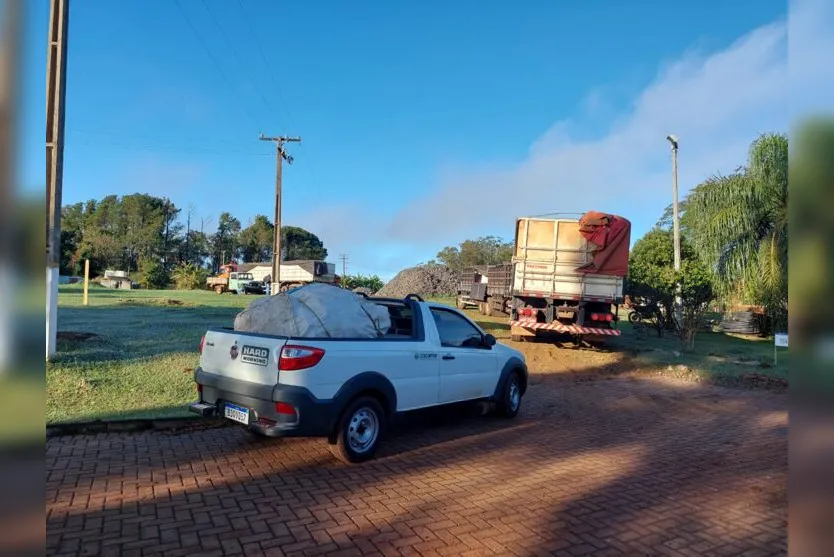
(75, 336)
(758, 381)
(169, 302)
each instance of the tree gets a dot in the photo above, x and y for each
(652, 281)
(299, 244)
(256, 240)
(371, 282)
(225, 241)
(488, 250)
(143, 227)
(195, 248)
(152, 274)
(188, 276)
(739, 225)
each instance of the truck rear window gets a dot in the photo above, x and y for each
(402, 320)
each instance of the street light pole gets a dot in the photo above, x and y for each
(676, 228)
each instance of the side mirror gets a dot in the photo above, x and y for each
(489, 340)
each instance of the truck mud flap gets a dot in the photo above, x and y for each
(562, 328)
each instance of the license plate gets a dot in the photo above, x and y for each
(236, 413)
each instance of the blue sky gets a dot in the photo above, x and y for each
(423, 124)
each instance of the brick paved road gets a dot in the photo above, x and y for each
(606, 468)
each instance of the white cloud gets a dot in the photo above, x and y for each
(715, 102)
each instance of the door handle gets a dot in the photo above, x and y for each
(448, 357)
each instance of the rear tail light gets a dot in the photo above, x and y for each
(602, 317)
(294, 358)
(285, 408)
(202, 343)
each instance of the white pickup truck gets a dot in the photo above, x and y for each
(349, 390)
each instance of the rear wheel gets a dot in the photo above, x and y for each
(459, 302)
(218, 289)
(359, 431)
(488, 308)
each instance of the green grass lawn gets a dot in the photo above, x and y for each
(716, 355)
(141, 359)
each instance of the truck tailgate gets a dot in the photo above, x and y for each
(242, 356)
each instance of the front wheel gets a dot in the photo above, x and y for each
(510, 401)
(359, 431)
(634, 317)
(218, 289)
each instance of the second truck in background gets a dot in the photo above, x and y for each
(566, 276)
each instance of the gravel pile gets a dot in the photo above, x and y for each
(430, 279)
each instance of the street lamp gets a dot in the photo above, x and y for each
(673, 142)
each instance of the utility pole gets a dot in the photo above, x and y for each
(281, 155)
(344, 257)
(676, 228)
(56, 78)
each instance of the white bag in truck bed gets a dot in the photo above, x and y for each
(315, 310)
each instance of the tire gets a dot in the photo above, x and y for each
(634, 318)
(218, 289)
(510, 402)
(355, 440)
(481, 308)
(488, 308)
(459, 302)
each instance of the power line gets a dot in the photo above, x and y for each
(165, 149)
(266, 64)
(239, 59)
(213, 59)
(310, 167)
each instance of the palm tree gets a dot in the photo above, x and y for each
(739, 224)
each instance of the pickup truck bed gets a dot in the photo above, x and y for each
(343, 388)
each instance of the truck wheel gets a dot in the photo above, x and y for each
(459, 303)
(359, 430)
(488, 308)
(510, 402)
(218, 289)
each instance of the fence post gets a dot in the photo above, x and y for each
(86, 280)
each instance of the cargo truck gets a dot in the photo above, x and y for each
(567, 276)
(487, 287)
